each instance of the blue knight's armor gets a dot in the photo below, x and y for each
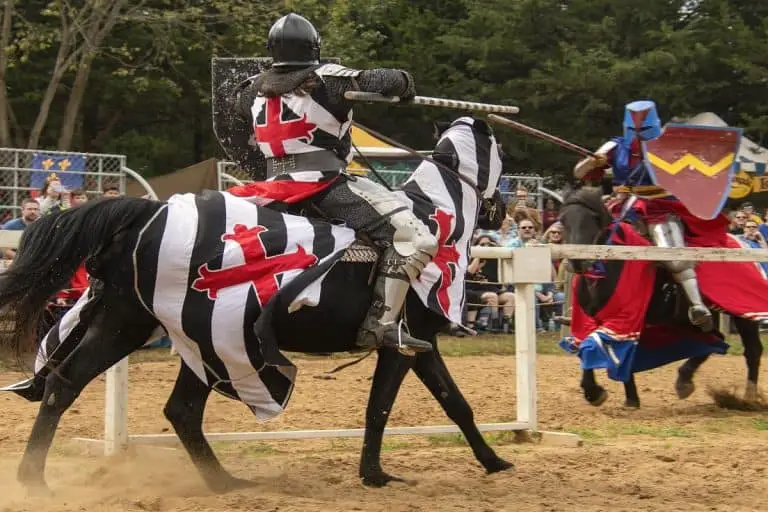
(625, 156)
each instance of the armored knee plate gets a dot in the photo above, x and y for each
(670, 234)
(413, 241)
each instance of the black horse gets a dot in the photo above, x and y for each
(104, 234)
(587, 221)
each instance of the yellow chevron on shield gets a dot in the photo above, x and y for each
(695, 164)
(691, 161)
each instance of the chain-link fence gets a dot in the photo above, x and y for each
(23, 173)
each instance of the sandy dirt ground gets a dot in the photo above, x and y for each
(670, 455)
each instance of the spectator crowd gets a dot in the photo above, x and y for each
(490, 302)
(53, 197)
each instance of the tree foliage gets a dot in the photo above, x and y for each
(133, 77)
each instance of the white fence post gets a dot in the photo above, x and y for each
(116, 409)
(530, 265)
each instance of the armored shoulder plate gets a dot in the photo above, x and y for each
(336, 70)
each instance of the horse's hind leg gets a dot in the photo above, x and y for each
(753, 350)
(391, 369)
(431, 369)
(185, 412)
(594, 393)
(684, 386)
(631, 397)
(118, 327)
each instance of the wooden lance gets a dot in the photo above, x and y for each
(432, 102)
(545, 136)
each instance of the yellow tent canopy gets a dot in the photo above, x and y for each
(372, 147)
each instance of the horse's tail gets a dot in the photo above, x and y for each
(50, 251)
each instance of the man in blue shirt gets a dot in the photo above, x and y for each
(30, 212)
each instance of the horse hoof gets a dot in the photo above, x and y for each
(684, 388)
(38, 490)
(632, 404)
(222, 485)
(750, 393)
(498, 465)
(597, 399)
(380, 479)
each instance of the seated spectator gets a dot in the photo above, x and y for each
(483, 290)
(738, 220)
(554, 235)
(753, 238)
(550, 214)
(111, 191)
(507, 232)
(30, 212)
(526, 234)
(78, 196)
(53, 196)
(749, 210)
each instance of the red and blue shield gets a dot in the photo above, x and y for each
(695, 164)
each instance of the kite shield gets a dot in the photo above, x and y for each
(695, 164)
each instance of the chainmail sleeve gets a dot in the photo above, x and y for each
(389, 82)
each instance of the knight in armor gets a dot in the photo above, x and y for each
(662, 213)
(300, 122)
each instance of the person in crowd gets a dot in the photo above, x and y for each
(738, 220)
(78, 197)
(527, 233)
(483, 291)
(550, 214)
(111, 191)
(554, 235)
(753, 238)
(53, 197)
(30, 212)
(749, 209)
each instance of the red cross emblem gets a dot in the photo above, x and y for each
(275, 131)
(447, 256)
(261, 270)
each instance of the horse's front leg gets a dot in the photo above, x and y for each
(431, 369)
(684, 386)
(753, 350)
(391, 369)
(594, 393)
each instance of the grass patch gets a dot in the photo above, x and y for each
(442, 440)
(663, 432)
(586, 434)
(760, 424)
(388, 445)
(252, 449)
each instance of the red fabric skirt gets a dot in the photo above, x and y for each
(284, 191)
(623, 316)
(740, 289)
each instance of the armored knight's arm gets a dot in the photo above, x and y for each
(593, 168)
(386, 81)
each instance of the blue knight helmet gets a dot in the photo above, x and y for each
(641, 120)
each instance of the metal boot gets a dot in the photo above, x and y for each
(671, 233)
(382, 326)
(698, 313)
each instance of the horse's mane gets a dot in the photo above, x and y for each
(590, 198)
(587, 196)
